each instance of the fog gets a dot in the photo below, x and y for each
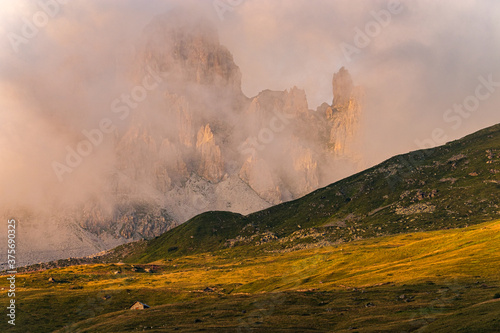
(426, 57)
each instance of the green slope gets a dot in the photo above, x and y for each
(451, 186)
(439, 281)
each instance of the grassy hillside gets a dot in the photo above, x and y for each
(451, 186)
(439, 281)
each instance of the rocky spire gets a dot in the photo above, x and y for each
(342, 88)
(211, 165)
(186, 48)
(344, 113)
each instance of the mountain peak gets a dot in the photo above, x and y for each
(342, 88)
(187, 49)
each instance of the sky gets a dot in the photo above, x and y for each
(429, 69)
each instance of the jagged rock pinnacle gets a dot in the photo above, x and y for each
(211, 163)
(342, 88)
(187, 48)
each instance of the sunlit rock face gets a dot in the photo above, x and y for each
(210, 158)
(342, 89)
(305, 165)
(344, 113)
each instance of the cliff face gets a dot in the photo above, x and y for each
(139, 164)
(170, 159)
(178, 110)
(210, 158)
(306, 170)
(187, 48)
(259, 176)
(344, 113)
(342, 89)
